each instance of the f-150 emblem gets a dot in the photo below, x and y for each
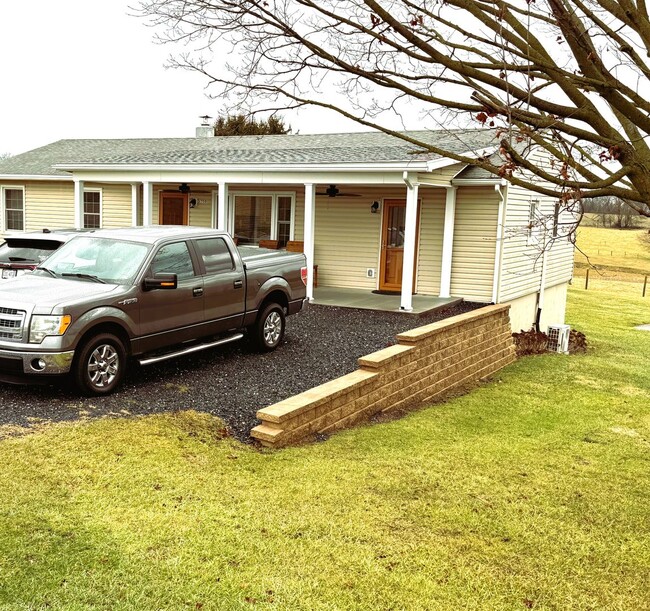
(128, 301)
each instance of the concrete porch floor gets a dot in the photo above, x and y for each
(367, 300)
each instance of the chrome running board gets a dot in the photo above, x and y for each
(190, 349)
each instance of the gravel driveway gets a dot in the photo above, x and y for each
(231, 382)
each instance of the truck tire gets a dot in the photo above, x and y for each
(268, 331)
(100, 365)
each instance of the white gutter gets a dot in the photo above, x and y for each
(500, 235)
(248, 167)
(35, 177)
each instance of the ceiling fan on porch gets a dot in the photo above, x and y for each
(333, 191)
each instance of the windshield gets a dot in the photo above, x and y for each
(107, 260)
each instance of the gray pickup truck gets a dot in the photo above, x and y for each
(148, 293)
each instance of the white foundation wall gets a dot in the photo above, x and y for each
(523, 310)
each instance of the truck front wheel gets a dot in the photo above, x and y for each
(268, 331)
(100, 365)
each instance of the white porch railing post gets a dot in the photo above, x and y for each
(147, 203)
(78, 204)
(410, 224)
(134, 204)
(308, 236)
(222, 206)
(448, 242)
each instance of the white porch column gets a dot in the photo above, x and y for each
(78, 204)
(147, 203)
(134, 204)
(308, 236)
(448, 242)
(410, 223)
(222, 207)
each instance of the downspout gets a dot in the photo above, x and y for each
(542, 286)
(498, 249)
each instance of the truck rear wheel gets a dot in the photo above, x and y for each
(99, 368)
(268, 331)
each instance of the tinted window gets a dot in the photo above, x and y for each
(173, 259)
(215, 254)
(32, 251)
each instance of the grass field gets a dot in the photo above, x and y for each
(531, 492)
(612, 254)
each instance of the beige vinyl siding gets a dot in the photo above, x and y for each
(432, 220)
(475, 229)
(346, 242)
(521, 265)
(48, 204)
(116, 204)
(348, 237)
(201, 214)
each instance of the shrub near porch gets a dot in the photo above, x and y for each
(530, 492)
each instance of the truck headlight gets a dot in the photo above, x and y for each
(47, 325)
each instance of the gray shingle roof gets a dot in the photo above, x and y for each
(362, 147)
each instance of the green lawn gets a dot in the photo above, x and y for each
(532, 491)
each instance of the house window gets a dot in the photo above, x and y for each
(13, 201)
(92, 209)
(534, 222)
(285, 209)
(262, 216)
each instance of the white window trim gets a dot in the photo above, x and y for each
(101, 206)
(534, 222)
(3, 216)
(274, 195)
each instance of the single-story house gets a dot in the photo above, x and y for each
(369, 210)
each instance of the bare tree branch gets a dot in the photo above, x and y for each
(567, 77)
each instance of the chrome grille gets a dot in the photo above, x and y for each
(11, 324)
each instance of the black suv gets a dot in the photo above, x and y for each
(20, 254)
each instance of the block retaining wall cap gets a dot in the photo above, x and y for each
(426, 331)
(291, 407)
(427, 363)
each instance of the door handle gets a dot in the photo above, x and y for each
(197, 292)
(238, 284)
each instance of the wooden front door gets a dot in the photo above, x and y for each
(174, 208)
(392, 245)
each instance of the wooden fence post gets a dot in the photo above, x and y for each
(587, 280)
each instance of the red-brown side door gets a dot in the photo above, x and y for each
(174, 209)
(392, 245)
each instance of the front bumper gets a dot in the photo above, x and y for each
(15, 363)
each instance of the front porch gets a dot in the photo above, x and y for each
(367, 300)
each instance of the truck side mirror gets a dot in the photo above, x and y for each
(160, 281)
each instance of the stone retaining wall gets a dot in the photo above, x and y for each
(426, 363)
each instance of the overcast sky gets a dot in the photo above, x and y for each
(84, 69)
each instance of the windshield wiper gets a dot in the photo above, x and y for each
(49, 271)
(20, 259)
(84, 276)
